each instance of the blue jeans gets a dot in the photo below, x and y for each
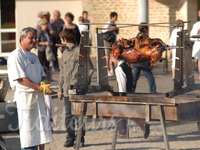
(29, 148)
(148, 74)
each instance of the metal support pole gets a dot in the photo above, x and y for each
(143, 11)
(198, 125)
(115, 135)
(162, 122)
(80, 124)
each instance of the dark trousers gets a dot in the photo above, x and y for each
(70, 120)
(55, 63)
(44, 62)
(148, 74)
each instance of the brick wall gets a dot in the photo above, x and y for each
(159, 11)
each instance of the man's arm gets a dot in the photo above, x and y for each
(27, 82)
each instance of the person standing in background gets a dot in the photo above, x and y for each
(69, 17)
(173, 42)
(57, 25)
(45, 15)
(44, 42)
(83, 27)
(196, 47)
(110, 29)
(85, 18)
(144, 67)
(124, 78)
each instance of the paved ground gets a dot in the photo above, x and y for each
(99, 135)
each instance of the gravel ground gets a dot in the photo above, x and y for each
(100, 132)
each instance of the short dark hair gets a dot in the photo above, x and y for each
(70, 15)
(112, 14)
(68, 34)
(179, 22)
(143, 26)
(84, 12)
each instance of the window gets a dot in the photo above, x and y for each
(7, 26)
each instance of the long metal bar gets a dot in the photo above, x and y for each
(137, 25)
(63, 45)
(132, 24)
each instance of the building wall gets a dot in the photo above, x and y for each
(26, 11)
(159, 11)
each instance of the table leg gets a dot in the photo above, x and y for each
(198, 125)
(115, 135)
(80, 124)
(162, 121)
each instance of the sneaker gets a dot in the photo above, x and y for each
(69, 143)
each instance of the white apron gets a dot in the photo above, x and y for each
(196, 50)
(34, 125)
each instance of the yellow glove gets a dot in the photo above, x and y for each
(44, 82)
(44, 88)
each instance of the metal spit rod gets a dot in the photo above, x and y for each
(87, 46)
(148, 24)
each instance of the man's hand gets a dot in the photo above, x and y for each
(60, 95)
(44, 88)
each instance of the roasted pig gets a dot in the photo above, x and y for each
(139, 49)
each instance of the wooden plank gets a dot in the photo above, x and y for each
(83, 60)
(95, 110)
(122, 99)
(148, 113)
(187, 61)
(101, 61)
(178, 82)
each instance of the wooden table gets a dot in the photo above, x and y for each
(182, 108)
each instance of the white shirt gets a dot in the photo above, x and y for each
(195, 31)
(83, 27)
(174, 36)
(121, 77)
(108, 26)
(24, 64)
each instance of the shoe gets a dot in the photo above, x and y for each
(69, 143)
(146, 130)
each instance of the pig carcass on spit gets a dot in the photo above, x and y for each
(139, 49)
